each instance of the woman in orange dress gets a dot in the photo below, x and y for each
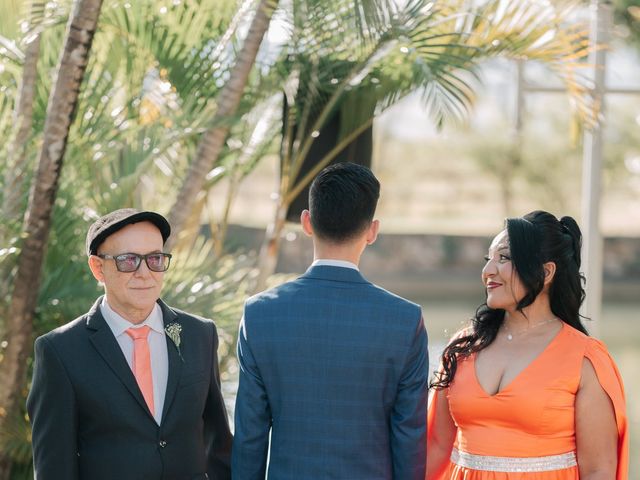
(524, 393)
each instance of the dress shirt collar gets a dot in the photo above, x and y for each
(328, 262)
(118, 324)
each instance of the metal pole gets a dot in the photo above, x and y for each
(592, 169)
(520, 89)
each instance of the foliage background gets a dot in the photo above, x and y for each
(155, 72)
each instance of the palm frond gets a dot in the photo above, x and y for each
(180, 39)
(67, 285)
(15, 441)
(6, 125)
(43, 15)
(524, 29)
(12, 12)
(213, 287)
(10, 51)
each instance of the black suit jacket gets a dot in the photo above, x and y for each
(89, 418)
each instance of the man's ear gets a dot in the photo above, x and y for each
(372, 232)
(305, 221)
(95, 264)
(549, 272)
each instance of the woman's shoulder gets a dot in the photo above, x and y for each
(589, 345)
(597, 353)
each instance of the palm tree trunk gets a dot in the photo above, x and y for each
(289, 190)
(213, 139)
(17, 152)
(60, 111)
(218, 245)
(268, 257)
(17, 164)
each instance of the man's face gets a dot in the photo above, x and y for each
(132, 295)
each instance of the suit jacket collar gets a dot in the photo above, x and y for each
(169, 316)
(119, 325)
(336, 274)
(95, 320)
(101, 336)
(107, 346)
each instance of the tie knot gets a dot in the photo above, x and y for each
(138, 333)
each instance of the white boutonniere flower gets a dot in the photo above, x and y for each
(173, 331)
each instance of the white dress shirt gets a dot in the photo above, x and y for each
(334, 263)
(157, 348)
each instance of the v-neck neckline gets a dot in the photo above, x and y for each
(521, 372)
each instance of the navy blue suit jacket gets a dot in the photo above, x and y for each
(335, 369)
(90, 421)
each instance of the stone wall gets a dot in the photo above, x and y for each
(442, 266)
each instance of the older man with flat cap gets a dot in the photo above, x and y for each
(131, 389)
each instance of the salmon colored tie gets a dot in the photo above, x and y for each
(142, 363)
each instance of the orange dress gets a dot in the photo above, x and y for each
(526, 431)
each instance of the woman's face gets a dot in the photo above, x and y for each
(504, 288)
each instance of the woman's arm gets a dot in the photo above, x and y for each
(441, 434)
(596, 431)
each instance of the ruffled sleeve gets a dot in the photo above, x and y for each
(611, 381)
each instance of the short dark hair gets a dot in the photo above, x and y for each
(342, 201)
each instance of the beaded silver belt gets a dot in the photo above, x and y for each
(514, 464)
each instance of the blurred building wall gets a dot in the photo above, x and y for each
(440, 266)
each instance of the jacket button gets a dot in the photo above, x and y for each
(162, 444)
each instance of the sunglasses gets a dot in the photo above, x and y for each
(130, 262)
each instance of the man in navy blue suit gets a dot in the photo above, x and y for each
(333, 379)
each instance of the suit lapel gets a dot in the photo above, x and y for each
(174, 359)
(107, 346)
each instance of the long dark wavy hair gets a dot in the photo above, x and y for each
(534, 239)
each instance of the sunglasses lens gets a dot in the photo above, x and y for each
(127, 262)
(158, 262)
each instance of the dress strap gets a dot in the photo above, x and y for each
(513, 464)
